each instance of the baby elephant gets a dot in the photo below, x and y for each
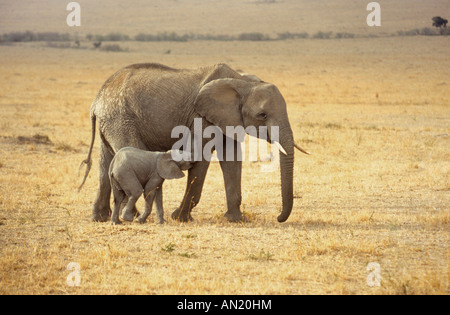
(133, 171)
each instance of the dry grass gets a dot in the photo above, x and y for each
(373, 112)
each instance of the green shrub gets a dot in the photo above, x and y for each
(289, 35)
(172, 37)
(113, 48)
(428, 31)
(445, 31)
(344, 35)
(116, 37)
(322, 35)
(253, 36)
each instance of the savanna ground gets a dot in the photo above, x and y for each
(374, 113)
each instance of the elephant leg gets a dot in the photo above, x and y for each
(102, 207)
(196, 178)
(150, 191)
(134, 212)
(149, 197)
(119, 196)
(159, 205)
(133, 189)
(127, 212)
(232, 177)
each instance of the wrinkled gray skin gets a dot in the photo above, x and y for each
(133, 171)
(140, 104)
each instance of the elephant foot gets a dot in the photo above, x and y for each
(235, 216)
(128, 216)
(115, 222)
(178, 215)
(101, 215)
(141, 220)
(162, 221)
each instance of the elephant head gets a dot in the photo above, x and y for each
(235, 102)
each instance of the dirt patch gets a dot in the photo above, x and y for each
(35, 139)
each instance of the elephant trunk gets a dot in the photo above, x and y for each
(287, 173)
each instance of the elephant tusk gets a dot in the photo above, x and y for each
(300, 149)
(280, 147)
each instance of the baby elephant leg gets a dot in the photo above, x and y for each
(159, 205)
(119, 196)
(149, 197)
(127, 213)
(133, 190)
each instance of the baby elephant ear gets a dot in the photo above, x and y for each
(167, 168)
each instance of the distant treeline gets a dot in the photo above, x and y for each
(35, 37)
(28, 36)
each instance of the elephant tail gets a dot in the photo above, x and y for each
(88, 160)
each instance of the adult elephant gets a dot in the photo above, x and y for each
(139, 106)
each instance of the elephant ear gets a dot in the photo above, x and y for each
(167, 168)
(219, 101)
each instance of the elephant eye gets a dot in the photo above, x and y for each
(262, 115)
